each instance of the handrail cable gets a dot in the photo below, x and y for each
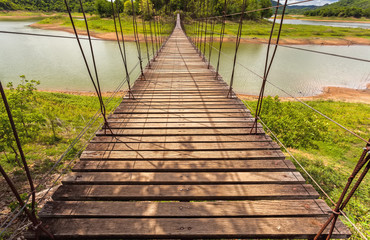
(37, 224)
(237, 44)
(309, 175)
(87, 126)
(155, 33)
(268, 65)
(297, 99)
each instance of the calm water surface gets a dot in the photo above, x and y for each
(326, 23)
(58, 64)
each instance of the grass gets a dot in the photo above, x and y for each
(261, 29)
(71, 113)
(331, 157)
(103, 25)
(341, 19)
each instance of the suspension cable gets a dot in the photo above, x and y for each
(205, 32)
(37, 224)
(268, 66)
(237, 44)
(211, 38)
(222, 33)
(123, 53)
(137, 40)
(150, 27)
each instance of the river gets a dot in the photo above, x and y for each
(58, 64)
(326, 23)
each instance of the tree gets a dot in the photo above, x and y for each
(267, 13)
(27, 118)
(104, 8)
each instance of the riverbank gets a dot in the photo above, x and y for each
(340, 94)
(326, 19)
(329, 93)
(284, 41)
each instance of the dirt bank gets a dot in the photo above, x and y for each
(330, 93)
(284, 41)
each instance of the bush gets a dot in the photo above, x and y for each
(304, 127)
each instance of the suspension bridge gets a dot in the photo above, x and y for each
(179, 161)
(181, 157)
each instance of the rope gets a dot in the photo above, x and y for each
(30, 214)
(268, 67)
(237, 44)
(298, 100)
(222, 33)
(124, 58)
(211, 39)
(137, 40)
(145, 36)
(205, 32)
(150, 27)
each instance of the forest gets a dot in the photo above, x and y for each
(103, 7)
(343, 8)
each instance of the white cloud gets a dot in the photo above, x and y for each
(314, 2)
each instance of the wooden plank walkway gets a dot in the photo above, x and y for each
(183, 164)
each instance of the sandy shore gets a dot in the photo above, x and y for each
(330, 93)
(284, 41)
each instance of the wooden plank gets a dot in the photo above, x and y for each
(209, 165)
(121, 146)
(197, 228)
(182, 119)
(184, 192)
(178, 131)
(247, 209)
(181, 154)
(181, 115)
(165, 125)
(119, 178)
(181, 139)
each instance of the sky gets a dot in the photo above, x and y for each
(314, 2)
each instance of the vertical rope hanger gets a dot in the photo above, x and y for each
(211, 37)
(145, 34)
(222, 34)
(268, 66)
(150, 26)
(137, 40)
(342, 202)
(97, 84)
(205, 31)
(201, 27)
(155, 32)
(123, 53)
(237, 44)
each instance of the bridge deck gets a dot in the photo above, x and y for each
(183, 164)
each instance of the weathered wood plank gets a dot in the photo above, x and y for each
(248, 209)
(209, 165)
(184, 192)
(182, 178)
(181, 154)
(182, 139)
